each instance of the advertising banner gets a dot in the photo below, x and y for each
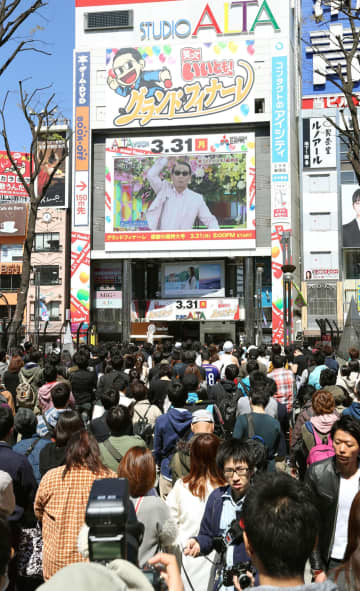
(319, 272)
(183, 190)
(56, 193)
(280, 176)
(196, 278)
(319, 143)
(109, 299)
(80, 236)
(193, 309)
(10, 184)
(13, 219)
(172, 84)
(350, 198)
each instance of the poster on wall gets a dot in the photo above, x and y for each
(10, 183)
(51, 152)
(319, 143)
(13, 219)
(194, 278)
(183, 189)
(350, 198)
(196, 83)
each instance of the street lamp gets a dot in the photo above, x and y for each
(288, 271)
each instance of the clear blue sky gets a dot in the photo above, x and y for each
(56, 36)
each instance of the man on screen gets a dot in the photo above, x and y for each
(351, 231)
(176, 207)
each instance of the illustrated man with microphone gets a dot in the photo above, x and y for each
(176, 207)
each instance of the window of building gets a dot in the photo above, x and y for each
(52, 309)
(9, 282)
(321, 300)
(320, 221)
(351, 264)
(11, 253)
(46, 275)
(318, 183)
(47, 241)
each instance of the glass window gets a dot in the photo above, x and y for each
(46, 275)
(348, 178)
(351, 264)
(11, 253)
(9, 282)
(48, 241)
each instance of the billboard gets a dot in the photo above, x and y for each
(194, 309)
(51, 152)
(13, 219)
(10, 184)
(350, 198)
(319, 143)
(193, 83)
(183, 189)
(193, 278)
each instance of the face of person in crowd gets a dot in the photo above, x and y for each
(180, 177)
(346, 448)
(356, 206)
(238, 475)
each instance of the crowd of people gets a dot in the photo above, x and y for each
(241, 464)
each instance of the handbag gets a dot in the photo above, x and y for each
(29, 556)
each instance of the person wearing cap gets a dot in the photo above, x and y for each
(226, 358)
(351, 231)
(202, 422)
(31, 444)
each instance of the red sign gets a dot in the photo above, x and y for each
(10, 184)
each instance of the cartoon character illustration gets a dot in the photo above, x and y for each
(128, 73)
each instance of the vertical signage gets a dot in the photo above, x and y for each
(80, 237)
(280, 176)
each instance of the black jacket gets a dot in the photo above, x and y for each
(100, 429)
(351, 234)
(83, 384)
(324, 481)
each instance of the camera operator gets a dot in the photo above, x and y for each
(281, 525)
(225, 505)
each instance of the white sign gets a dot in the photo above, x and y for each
(320, 149)
(194, 309)
(110, 299)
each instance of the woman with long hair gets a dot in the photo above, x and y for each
(54, 453)
(187, 502)
(61, 501)
(139, 467)
(347, 575)
(11, 376)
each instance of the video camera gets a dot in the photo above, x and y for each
(114, 531)
(240, 570)
(233, 535)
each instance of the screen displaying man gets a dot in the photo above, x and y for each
(351, 231)
(176, 207)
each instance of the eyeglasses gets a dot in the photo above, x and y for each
(229, 472)
(179, 172)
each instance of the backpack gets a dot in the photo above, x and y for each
(25, 393)
(257, 444)
(227, 407)
(143, 428)
(322, 449)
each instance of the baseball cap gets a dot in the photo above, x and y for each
(228, 346)
(202, 416)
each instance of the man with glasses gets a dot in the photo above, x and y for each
(224, 505)
(351, 231)
(176, 207)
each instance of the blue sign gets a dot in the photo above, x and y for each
(82, 79)
(320, 22)
(280, 132)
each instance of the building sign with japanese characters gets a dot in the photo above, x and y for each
(193, 309)
(319, 143)
(10, 183)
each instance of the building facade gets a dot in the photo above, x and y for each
(185, 171)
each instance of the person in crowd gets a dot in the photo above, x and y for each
(159, 386)
(347, 575)
(330, 360)
(143, 409)
(235, 462)
(44, 392)
(258, 423)
(7, 497)
(169, 428)
(142, 367)
(5, 552)
(54, 453)
(243, 382)
(83, 384)
(226, 385)
(334, 483)
(314, 376)
(328, 383)
(226, 358)
(349, 376)
(212, 372)
(354, 409)
(321, 422)
(110, 380)
(285, 382)
(187, 502)
(139, 467)
(30, 445)
(32, 371)
(7, 398)
(17, 466)
(121, 439)
(281, 528)
(61, 400)
(202, 422)
(99, 427)
(61, 501)
(3, 364)
(276, 349)
(11, 375)
(354, 354)
(177, 363)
